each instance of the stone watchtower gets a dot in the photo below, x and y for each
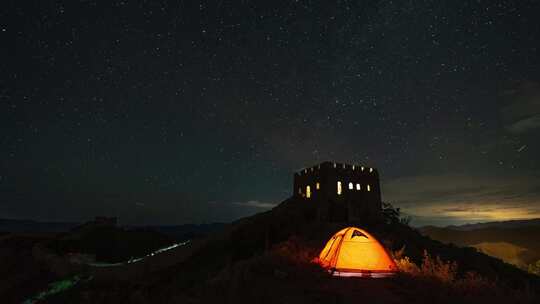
(342, 192)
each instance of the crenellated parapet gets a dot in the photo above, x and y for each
(354, 188)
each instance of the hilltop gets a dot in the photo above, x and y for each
(267, 258)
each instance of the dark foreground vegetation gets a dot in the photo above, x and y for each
(515, 242)
(267, 258)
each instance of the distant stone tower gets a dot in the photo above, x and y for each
(342, 192)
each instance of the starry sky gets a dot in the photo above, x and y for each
(171, 112)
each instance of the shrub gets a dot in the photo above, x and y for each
(431, 268)
(392, 215)
(434, 267)
(534, 268)
(406, 266)
(403, 263)
(440, 281)
(295, 251)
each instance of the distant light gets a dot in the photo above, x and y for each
(370, 169)
(339, 188)
(351, 186)
(317, 186)
(368, 188)
(308, 192)
(358, 187)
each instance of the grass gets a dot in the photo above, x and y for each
(286, 274)
(55, 288)
(534, 268)
(440, 281)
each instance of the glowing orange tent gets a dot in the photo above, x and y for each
(354, 252)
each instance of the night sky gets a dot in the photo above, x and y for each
(196, 112)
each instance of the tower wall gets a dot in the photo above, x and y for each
(350, 204)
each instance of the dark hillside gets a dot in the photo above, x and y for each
(110, 244)
(20, 272)
(257, 235)
(522, 236)
(266, 258)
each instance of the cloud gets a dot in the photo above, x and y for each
(453, 198)
(256, 204)
(524, 125)
(521, 113)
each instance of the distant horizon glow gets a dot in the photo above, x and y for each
(437, 218)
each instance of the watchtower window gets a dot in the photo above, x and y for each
(351, 186)
(308, 192)
(317, 186)
(358, 187)
(339, 188)
(368, 188)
